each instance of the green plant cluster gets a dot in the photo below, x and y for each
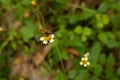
(85, 28)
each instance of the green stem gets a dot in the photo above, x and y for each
(39, 25)
(40, 18)
(62, 65)
(4, 44)
(83, 8)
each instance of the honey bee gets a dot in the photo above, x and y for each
(44, 31)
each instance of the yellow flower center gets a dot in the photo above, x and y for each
(84, 61)
(47, 38)
(33, 2)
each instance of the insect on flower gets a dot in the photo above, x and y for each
(48, 37)
(45, 32)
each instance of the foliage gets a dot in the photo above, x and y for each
(93, 27)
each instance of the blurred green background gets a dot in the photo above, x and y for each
(79, 26)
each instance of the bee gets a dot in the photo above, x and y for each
(44, 31)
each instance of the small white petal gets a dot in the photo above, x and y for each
(52, 40)
(41, 38)
(88, 63)
(45, 42)
(52, 35)
(81, 63)
(86, 58)
(82, 58)
(85, 65)
(87, 54)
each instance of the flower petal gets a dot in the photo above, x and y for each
(45, 42)
(86, 58)
(85, 65)
(88, 63)
(41, 38)
(81, 63)
(87, 54)
(51, 40)
(82, 58)
(52, 35)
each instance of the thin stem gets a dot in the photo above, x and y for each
(39, 25)
(82, 8)
(42, 18)
(62, 65)
(4, 44)
(37, 12)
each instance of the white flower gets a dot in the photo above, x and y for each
(47, 39)
(87, 54)
(84, 60)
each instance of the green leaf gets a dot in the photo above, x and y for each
(97, 69)
(83, 38)
(14, 45)
(111, 43)
(3, 1)
(110, 61)
(94, 78)
(95, 52)
(118, 71)
(26, 2)
(13, 33)
(102, 37)
(103, 7)
(74, 18)
(102, 59)
(63, 1)
(116, 20)
(99, 25)
(26, 49)
(62, 26)
(101, 20)
(19, 12)
(110, 67)
(64, 55)
(61, 19)
(109, 73)
(29, 30)
(108, 39)
(60, 75)
(105, 19)
(78, 29)
(3, 79)
(86, 31)
(4, 68)
(110, 1)
(98, 17)
(86, 15)
(76, 42)
(6, 4)
(43, 70)
(2, 61)
(72, 74)
(83, 75)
